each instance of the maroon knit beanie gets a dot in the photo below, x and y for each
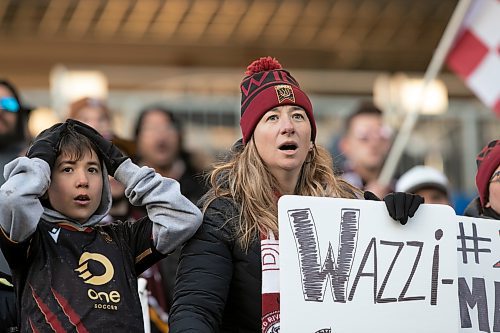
(266, 86)
(487, 162)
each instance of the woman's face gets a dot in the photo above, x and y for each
(283, 139)
(494, 191)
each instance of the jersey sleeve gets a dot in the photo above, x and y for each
(138, 236)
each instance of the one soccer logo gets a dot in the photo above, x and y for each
(90, 278)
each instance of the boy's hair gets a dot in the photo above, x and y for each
(76, 145)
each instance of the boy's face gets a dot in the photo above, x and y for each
(76, 186)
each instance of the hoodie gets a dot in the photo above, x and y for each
(174, 217)
(83, 276)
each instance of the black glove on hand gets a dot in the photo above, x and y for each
(400, 205)
(44, 146)
(111, 155)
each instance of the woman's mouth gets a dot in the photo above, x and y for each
(288, 147)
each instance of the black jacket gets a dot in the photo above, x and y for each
(218, 286)
(474, 209)
(8, 310)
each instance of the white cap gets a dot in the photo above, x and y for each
(420, 177)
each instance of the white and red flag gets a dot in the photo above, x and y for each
(475, 57)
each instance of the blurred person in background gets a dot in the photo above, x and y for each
(158, 136)
(96, 114)
(93, 112)
(487, 204)
(13, 125)
(427, 182)
(13, 142)
(365, 145)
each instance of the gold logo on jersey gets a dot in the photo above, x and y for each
(87, 276)
(284, 91)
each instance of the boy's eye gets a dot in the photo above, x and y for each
(67, 169)
(93, 170)
(272, 117)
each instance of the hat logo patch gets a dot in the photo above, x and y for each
(283, 92)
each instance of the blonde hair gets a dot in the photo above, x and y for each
(244, 178)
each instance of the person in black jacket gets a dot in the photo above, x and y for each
(220, 285)
(13, 141)
(487, 204)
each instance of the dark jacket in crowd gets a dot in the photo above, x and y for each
(236, 285)
(474, 209)
(8, 311)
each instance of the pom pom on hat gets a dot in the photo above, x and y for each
(266, 86)
(263, 64)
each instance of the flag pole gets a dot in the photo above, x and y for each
(431, 73)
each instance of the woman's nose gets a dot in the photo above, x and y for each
(287, 126)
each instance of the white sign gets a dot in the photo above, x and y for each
(478, 257)
(346, 266)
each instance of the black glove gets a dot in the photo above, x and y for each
(44, 146)
(111, 155)
(400, 205)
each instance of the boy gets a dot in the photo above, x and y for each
(72, 273)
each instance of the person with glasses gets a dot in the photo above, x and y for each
(365, 145)
(487, 204)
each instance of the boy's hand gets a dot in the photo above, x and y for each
(111, 155)
(400, 205)
(44, 146)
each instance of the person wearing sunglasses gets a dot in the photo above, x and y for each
(13, 120)
(487, 205)
(13, 141)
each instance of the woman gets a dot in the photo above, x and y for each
(487, 205)
(219, 279)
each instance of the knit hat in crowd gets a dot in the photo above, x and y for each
(487, 162)
(266, 86)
